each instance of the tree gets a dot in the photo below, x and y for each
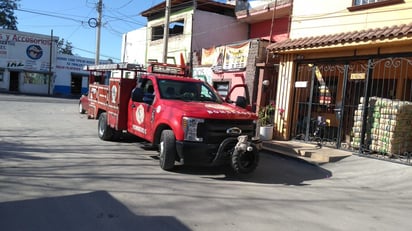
(7, 18)
(64, 47)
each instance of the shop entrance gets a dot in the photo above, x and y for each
(76, 84)
(14, 81)
(363, 105)
(319, 91)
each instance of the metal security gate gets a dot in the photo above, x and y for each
(362, 105)
(318, 102)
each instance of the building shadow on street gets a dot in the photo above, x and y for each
(95, 211)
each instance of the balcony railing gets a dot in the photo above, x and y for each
(259, 10)
(257, 5)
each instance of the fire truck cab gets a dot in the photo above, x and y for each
(185, 118)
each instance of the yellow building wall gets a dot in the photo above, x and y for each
(320, 17)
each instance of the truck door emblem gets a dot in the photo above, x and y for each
(234, 131)
(140, 114)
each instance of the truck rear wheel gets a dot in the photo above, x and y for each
(81, 109)
(245, 161)
(167, 150)
(105, 132)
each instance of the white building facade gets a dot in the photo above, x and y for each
(26, 62)
(134, 46)
(30, 63)
(69, 77)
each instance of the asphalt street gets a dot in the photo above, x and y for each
(56, 174)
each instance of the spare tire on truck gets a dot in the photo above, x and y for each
(245, 161)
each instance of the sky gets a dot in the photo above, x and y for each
(69, 21)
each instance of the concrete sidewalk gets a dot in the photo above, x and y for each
(307, 151)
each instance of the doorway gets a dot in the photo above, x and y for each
(319, 92)
(76, 84)
(14, 81)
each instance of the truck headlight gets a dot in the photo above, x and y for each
(190, 126)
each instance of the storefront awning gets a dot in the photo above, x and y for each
(398, 31)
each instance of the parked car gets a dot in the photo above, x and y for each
(84, 103)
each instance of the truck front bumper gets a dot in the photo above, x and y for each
(193, 153)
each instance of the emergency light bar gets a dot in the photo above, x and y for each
(166, 69)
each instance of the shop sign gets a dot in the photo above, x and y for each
(301, 84)
(355, 76)
(26, 51)
(15, 64)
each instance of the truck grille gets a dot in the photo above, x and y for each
(214, 131)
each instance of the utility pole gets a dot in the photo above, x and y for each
(192, 38)
(166, 30)
(50, 63)
(99, 8)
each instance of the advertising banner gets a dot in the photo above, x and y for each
(27, 51)
(209, 56)
(227, 58)
(236, 57)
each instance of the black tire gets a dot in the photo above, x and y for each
(104, 131)
(245, 162)
(117, 135)
(81, 109)
(167, 150)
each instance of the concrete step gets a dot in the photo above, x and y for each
(306, 151)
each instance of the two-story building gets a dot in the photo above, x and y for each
(193, 25)
(345, 75)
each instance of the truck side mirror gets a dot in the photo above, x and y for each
(137, 95)
(241, 101)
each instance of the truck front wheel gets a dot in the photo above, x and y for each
(167, 150)
(245, 161)
(105, 132)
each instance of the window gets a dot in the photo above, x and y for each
(1, 75)
(363, 2)
(222, 88)
(175, 28)
(35, 78)
(157, 32)
(187, 91)
(367, 4)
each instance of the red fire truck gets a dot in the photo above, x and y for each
(184, 118)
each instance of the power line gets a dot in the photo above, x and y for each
(115, 18)
(51, 15)
(126, 4)
(92, 52)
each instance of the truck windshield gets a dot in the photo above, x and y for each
(187, 91)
